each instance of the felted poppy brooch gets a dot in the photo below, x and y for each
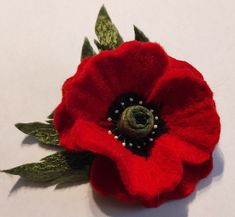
(137, 123)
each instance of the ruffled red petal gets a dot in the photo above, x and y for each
(179, 88)
(63, 123)
(191, 176)
(161, 172)
(187, 151)
(188, 110)
(62, 118)
(105, 180)
(199, 125)
(133, 67)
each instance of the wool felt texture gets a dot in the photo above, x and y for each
(186, 106)
(113, 186)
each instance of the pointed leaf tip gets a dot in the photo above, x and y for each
(103, 12)
(60, 167)
(87, 49)
(139, 35)
(51, 116)
(107, 33)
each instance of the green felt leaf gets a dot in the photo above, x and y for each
(139, 35)
(43, 132)
(87, 49)
(49, 121)
(81, 175)
(107, 33)
(98, 45)
(51, 116)
(60, 167)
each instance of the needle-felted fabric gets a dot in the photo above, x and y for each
(112, 184)
(138, 82)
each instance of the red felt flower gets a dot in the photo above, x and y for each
(150, 119)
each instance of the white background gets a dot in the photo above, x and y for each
(40, 44)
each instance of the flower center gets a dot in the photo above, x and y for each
(136, 121)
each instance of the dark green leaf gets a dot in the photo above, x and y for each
(49, 121)
(98, 45)
(51, 115)
(50, 118)
(106, 31)
(44, 133)
(81, 175)
(60, 167)
(139, 35)
(87, 49)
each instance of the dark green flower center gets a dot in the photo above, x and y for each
(136, 121)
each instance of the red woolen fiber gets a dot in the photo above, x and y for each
(179, 158)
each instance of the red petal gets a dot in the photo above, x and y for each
(197, 128)
(179, 65)
(105, 179)
(188, 109)
(143, 177)
(187, 151)
(133, 67)
(63, 123)
(179, 88)
(62, 119)
(191, 176)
